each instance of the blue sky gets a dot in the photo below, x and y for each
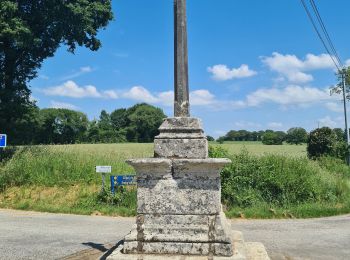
(252, 64)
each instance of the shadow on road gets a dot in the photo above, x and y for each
(110, 251)
(99, 247)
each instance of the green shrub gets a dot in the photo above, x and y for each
(272, 138)
(278, 180)
(296, 135)
(325, 142)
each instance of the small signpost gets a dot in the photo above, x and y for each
(103, 170)
(3, 140)
(122, 180)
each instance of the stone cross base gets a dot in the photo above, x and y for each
(179, 208)
(179, 211)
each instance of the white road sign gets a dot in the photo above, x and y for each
(103, 169)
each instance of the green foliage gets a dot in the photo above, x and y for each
(338, 88)
(144, 121)
(242, 135)
(210, 138)
(63, 165)
(340, 133)
(30, 32)
(125, 197)
(217, 152)
(325, 142)
(279, 181)
(272, 138)
(296, 135)
(61, 126)
(63, 179)
(139, 123)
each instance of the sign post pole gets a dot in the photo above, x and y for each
(103, 170)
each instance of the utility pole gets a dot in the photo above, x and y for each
(343, 73)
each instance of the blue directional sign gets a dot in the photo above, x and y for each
(3, 140)
(121, 181)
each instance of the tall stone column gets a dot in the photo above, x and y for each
(181, 88)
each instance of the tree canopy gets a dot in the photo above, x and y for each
(30, 32)
(296, 135)
(140, 123)
(338, 88)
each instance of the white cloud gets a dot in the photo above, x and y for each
(82, 71)
(328, 121)
(293, 68)
(290, 95)
(201, 97)
(140, 93)
(111, 94)
(55, 104)
(71, 89)
(275, 125)
(347, 63)
(335, 107)
(166, 98)
(222, 72)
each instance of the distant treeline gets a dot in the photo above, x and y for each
(139, 123)
(295, 135)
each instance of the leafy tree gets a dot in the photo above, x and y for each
(62, 126)
(340, 133)
(107, 133)
(296, 135)
(27, 128)
(119, 118)
(210, 138)
(323, 141)
(144, 123)
(272, 138)
(326, 142)
(338, 88)
(30, 32)
(93, 132)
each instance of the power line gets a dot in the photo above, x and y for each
(319, 34)
(320, 20)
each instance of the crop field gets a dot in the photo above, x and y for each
(257, 148)
(263, 181)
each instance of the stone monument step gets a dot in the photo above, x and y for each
(242, 251)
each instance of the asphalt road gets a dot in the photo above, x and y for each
(31, 235)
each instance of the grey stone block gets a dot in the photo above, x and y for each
(181, 137)
(181, 228)
(179, 186)
(178, 196)
(177, 248)
(181, 148)
(241, 251)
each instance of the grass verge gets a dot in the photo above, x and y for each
(61, 179)
(75, 199)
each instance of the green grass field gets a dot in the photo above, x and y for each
(62, 178)
(257, 148)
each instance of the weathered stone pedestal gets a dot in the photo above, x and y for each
(179, 213)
